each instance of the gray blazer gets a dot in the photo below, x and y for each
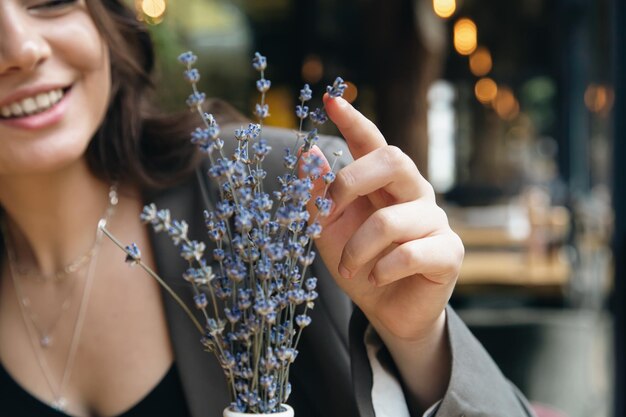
(332, 376)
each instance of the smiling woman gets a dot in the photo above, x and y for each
(82, 335)
(42, 38)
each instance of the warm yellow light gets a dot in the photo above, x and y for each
(465, 36)
(444, 8)
(599, 98)
(480, 62)
(505, 104)
(312, 69)
(351, 92)
(485, 90)
(153, 8)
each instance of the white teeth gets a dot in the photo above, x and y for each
(31, 105)
(16, 109)
(43, 100)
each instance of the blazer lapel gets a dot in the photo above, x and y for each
(201, 376)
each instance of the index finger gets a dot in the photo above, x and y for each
(361, 134)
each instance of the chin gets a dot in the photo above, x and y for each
(46, 160)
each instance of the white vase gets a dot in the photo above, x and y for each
(288, 412)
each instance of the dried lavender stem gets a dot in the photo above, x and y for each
(156, 277)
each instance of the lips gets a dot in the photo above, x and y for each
(31, 105)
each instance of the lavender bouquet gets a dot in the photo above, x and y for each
(253, 294)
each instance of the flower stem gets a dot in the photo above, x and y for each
(157, 278)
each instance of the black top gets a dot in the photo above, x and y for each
(166, 399)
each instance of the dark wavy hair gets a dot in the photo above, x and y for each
(136, 143)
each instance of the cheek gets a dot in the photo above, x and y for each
(87, 54)
(85, 51)
(98, 86)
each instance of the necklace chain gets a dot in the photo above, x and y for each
(59, 402)
(45, 333)
(59, 275)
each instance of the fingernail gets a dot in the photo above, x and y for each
(341, 101)
(344, 272)
(372, 280)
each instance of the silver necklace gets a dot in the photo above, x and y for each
(59, 401)
(60, 275)
(44, 332)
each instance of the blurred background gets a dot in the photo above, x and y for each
(508, 108)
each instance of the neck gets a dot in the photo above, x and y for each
(53, 217)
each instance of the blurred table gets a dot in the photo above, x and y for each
(512, 268)
(517, 244)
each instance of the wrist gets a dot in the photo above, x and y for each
(423, 362)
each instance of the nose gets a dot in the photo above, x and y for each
(22, 46)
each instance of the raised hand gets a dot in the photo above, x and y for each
(390, 248)
(387, 243)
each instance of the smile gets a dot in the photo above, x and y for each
(32, 105)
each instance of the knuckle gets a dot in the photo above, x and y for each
(400, 163)
(383, 222)
(371, 125)
(394, 156)
(429, 190)
(456, 254)
(410, 256)
(441, 215)
(460, 249)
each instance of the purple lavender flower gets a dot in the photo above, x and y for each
(318, 116)
(192, 75)
(323, 205)
(187, 58)
(263, 85)
(192, 250)
(329, 177)
(303, 320)
(337, 89)
(310, 284)
(201, 301)
(195, 99)
(133, 254)
(305, 93)
(262, 111)
(259, 62)
(302, 112)
(254, 293)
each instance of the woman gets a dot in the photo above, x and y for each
(83, 335)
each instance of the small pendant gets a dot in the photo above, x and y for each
(59, 404)
(45, 341)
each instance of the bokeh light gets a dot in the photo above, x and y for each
(153, 8)
(465, 36)
(599, 98)
(505, 104)
(444, 8)
(312, 69)
(351, 92)
(480, 62)
(485, 90)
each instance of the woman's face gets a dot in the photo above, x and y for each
(54, 84)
